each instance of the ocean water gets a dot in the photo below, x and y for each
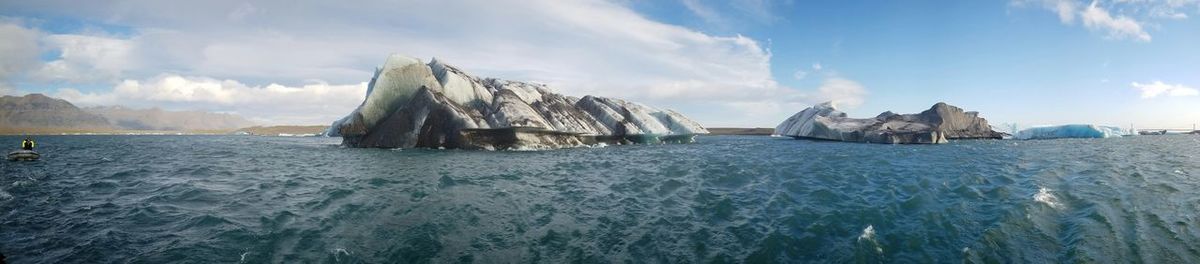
(243, 199)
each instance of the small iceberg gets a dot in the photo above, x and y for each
(1070, 131)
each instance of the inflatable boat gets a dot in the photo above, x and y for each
(23, 155)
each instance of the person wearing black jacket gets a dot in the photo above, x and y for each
(28, 144)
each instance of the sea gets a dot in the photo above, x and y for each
(723, 199)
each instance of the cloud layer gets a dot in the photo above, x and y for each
(1119, 27)
(1158, 88)
(18, 53)
(1129, 23)
(314, 103)
(579, 47)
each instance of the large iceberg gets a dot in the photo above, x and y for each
(1070, 131)
(435, 105)
(934, 126)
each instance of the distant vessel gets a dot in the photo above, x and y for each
(24, 154)
(1152, 133)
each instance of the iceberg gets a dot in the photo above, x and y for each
(934, 126)
(1070, 131)
(412, 104)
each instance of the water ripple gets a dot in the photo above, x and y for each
(723, 199)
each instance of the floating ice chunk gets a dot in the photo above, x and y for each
(938, 124)
(410, 104)
(459, 87)
(868, 239)
(1044, 196)
(1070, 131)
(4, 196)
(509, 110)
(392, 87)
(868, 233)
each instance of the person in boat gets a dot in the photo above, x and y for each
(28, 144)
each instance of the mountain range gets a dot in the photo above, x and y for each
(158, 119)
(38, 113)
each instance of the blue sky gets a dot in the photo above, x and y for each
(724, 63)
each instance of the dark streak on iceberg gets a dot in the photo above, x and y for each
(411, 104)
(934, 126)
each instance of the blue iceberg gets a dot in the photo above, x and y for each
(1070, 131)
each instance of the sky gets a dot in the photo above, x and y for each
(743, 63)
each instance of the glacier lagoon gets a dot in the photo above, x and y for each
(229, 199)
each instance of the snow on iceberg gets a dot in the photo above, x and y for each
(413, 104)
(1070, 131)
(934, 126)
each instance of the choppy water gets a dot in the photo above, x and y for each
(228, 199)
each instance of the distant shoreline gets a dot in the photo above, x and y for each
(744, 131)
(255, 131)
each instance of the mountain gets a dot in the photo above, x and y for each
(435, 105)
(158, 119)
(38, 112)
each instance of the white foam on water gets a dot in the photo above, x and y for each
(18, 184)
(868, 233)
(4, 196)
(529, 148)
(1044, 196)
(337, 253)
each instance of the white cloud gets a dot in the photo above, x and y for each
(1065, 9)
(1158, 88)
(728, 13)
(86, 58)
(241, 12)
(579, 47)
(1129, 23)
(843, 92)
(757, 9)
(314, 103)
(1119, 27)
(18, 53)
(703, 11)
(799, 74)
(817, 66)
